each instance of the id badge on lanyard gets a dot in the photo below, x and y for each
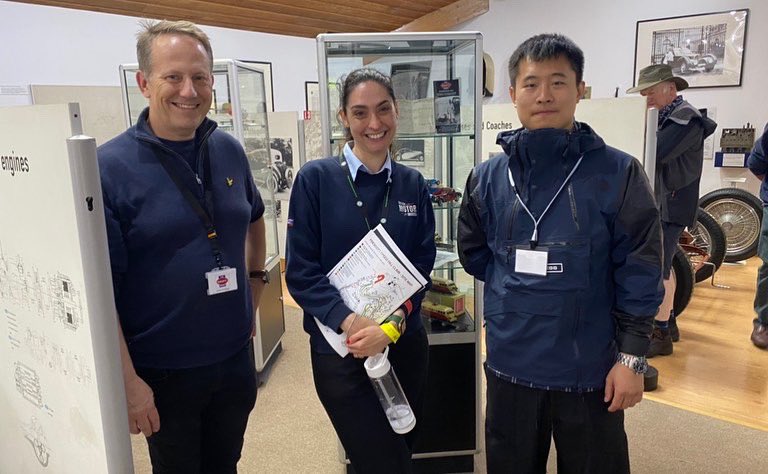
(221, 280)
(532, 262)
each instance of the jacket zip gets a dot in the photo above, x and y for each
(510, 227)
(197, 172)
(574, 212)
(576, 351)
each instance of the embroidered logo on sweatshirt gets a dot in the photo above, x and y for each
(407, 209)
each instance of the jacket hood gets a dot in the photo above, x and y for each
(581, 139)
(684, 113)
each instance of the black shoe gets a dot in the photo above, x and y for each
(661, 343)
(673, 331)
(760, 335)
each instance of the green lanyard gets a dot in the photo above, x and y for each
(359, 203)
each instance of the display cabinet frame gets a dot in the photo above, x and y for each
(447, 60)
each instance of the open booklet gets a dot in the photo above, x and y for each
(374, 279)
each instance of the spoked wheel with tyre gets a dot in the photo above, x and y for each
(684, 278)
(739, 213)
(705, 245)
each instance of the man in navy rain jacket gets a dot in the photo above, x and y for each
(565, 234)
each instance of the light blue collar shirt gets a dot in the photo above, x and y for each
(355, 164)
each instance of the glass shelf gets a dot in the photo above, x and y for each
(442, 332)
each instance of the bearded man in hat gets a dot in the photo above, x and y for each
(679, 158)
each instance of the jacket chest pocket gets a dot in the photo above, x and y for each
(568, 265)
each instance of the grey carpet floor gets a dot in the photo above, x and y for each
(288, 431)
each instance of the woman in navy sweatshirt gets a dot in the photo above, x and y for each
(335, 201)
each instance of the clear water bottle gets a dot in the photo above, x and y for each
(390, 393)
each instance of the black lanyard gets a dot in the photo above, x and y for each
(204, 213)
(359, 203)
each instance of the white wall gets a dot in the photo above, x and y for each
(605, 30)
(58, 46)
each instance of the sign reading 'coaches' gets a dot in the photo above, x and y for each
(14, 164)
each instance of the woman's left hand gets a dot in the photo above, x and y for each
(367, 342)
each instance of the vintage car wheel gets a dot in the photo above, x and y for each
(684, 278)
(684, 68)
(706, 244)
(740, 214)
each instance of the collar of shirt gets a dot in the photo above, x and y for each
(354, 164)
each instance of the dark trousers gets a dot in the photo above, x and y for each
(520, 422)
(761, 292)
(355, 412)
(203, 414)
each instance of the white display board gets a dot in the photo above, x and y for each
(620, 122)
(62, 401)
(101, 107)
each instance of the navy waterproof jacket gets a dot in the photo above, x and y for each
(603, 286)
(758, 163)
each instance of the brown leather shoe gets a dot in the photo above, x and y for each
(760, 335)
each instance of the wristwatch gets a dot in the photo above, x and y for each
(639, 365)
(262, 275)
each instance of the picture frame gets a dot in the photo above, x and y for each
(707, 50)
(312, 95)
(266, 68)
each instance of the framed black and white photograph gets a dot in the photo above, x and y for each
(409, 152)
(707, 50)
(266, 68)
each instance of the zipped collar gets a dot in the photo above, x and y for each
(143, 132)
(548, 141)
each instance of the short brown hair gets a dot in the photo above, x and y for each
(150, 30)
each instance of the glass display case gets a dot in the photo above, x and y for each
(239, 108)
(437, 80)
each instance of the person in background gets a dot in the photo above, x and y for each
(758, 165)
(565, 234)
(679, 160)
(187, 248)
(335, 202)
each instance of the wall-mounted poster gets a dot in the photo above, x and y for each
(447, 106)
(707, 50)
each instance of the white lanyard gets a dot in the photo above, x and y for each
(535, 235)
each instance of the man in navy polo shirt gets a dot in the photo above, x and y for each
(187, 248)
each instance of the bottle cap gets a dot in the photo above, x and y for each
(378, 365)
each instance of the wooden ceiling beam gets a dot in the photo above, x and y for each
(254, 22)
(393, 9)
(448, 16)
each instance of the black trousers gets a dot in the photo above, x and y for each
(203, 414)
(520, 422)
(355, 412)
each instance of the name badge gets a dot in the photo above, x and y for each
(221, 280)
(532, 262)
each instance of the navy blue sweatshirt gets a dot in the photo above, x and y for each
(159, 251)
(324, 223)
